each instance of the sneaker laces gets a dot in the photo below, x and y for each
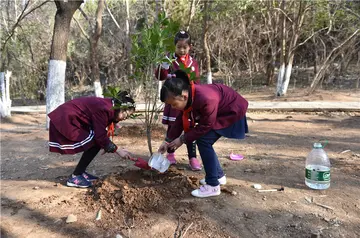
(204, 188)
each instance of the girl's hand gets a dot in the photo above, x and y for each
(175, 144)
(165, 65)
(123, 154)
(163, 147)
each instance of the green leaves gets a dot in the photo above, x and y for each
(111, 92)
(192, 75)
(135, 115)
(153, 42)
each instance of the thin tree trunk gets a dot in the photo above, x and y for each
(5, 110)
(288, 71)
(293, 44)
(357, 66)
(157, 11)
(55, 92)
(192, 13)
(283, 52)
(95, 71)
(3, 96)
(128, 39)
(315, 59)
(205, 44)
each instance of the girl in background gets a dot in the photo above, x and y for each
(181, 56)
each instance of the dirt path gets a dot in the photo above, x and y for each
(35, 203)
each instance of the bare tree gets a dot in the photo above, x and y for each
(55, 94)
(288, 50)
(329, 59)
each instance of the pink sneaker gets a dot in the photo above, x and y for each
(171, 158)
(195, 164)
(206, 191)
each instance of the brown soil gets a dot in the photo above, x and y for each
(35, 201)
(136, 196)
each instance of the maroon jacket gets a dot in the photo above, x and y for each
(191, 62)
(74, 119)
(215, 107)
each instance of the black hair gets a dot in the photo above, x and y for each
(124, 101)
(175, 86)
(183, 35)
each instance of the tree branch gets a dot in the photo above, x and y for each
(82, 29)
(111, 15)
(307, 39)
(282, 11)
(343, 43)
(21, 17)
(326, 61)
(86, 17)
(352, 12)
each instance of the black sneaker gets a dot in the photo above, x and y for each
(89, 177)
(78, 181)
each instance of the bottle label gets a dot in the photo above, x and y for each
(316, 175)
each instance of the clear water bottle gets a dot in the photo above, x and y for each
(317, 169)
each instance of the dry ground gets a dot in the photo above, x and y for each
(35, 203)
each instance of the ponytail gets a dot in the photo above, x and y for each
(124, 101)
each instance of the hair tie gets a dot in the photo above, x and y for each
(169, 76)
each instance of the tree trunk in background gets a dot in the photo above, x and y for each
(293, 43)
(290, 52)
(55, 91)
(205, 44)
(357, 66)
(191, 15)
(5, 102)
(315, 59)
(272, 21)
(95, 71)
(283, 52)
(128, 39)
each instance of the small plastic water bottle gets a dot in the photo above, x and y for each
(317, 169)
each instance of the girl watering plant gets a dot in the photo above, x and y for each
(217, 111)
(80, 125)
(180, 57)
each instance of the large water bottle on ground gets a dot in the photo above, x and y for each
(317, 169)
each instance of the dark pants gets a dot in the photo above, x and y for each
(209, 158)
(86, 159)
(191, 148)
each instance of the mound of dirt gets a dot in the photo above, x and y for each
(136, 193)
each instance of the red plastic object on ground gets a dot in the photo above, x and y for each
(140, 163)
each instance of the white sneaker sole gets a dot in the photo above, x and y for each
(197, 194)
(222, 181)
(76, 186)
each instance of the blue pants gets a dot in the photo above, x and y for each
(210, 160)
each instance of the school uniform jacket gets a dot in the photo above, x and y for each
(190, 63)
(170, 114)
(78, 124)
(215, 107)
